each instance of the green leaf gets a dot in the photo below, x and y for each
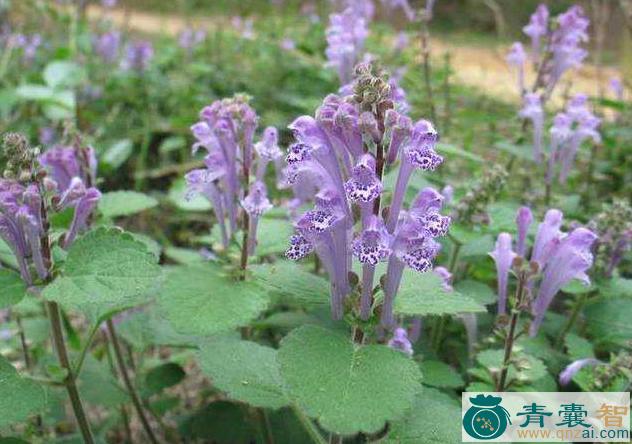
(481, 246)
(503, 216)
(273, 236)
(578, 347)
(608, 321)
(524, 368)
(577, 287)
(480, 292)
(616, 287)
(522, 152)
(441, 375)
(221, 422)
(345, 387)
(106, 271)
(124, 203)
(63, 73)
(201, 300)
(19, 397)
(6, 255)
(422, 294)
(291, 281)
(164, 376)
(98, 386)
(35, 92)
(148, 328)
(118, 153)
(12, 288)
(453, 150)
(184, 256)
(246, 371)
(434, 418)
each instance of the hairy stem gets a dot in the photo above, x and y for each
(118, 353)
(511, 334)
(70, 381)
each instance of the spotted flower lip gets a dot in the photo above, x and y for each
(373, 244)
(299, 247)
(503, 256)
(256, 203)
(364, 185)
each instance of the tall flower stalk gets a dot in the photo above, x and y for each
(226, 132)
(343, 152)
(27, 196)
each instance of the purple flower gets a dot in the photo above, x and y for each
(108, 3)
(399, 128)
(107, 46)
(29, 45)
(255, 204)
(446, 277)
(345, 42)
(66, 162)
(616, 85)
(585, 126)
(517, 58)
(267, 151)
(400, 341)
(537, 29)
(138, 56)
(448, 194)
(323, 229)
(83, 209)
(532, 110)
(561, 132)
(418, 153)
(364, 186)
(574, 367)
(205, 183)
(566, 38)
(503, 256)
(288, 44)
(569, 260)
(547, 237)
(523, 221)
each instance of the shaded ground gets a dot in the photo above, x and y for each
(477, 65)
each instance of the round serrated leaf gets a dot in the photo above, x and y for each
(347, 388)
(125, 203)
(201, 300)
(247, 371)
(440, 374)
(291, 281)
(19, 397)
(12, 288)
(434, 419)
(423, 294)
(106, 271)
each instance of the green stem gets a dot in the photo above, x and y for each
(118, 354)
(308, 425)
(265, 425)
(70, 381)
(577, 309)
(84, 351)
(511, 335)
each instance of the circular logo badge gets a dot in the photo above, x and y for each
(486, 419)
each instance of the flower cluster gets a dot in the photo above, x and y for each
(29, 45)
(472, 208)
(24, 198)
(558, 256)
(339, 157)
(570, 128)
(138, 55)
(346, 34)
(226, 131)
(555, 47)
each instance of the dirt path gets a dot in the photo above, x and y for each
(479, 66)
